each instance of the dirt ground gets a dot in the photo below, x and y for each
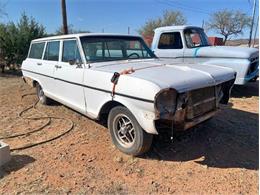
(217, 157)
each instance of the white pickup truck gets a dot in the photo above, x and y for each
(189, 44)
(119, 79)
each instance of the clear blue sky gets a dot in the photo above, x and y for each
(117, 15)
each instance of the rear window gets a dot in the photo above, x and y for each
(36, 50)
(52, 51)
(170, 41)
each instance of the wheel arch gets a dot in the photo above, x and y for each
(34, 83)
(105, 109)
(144, 117)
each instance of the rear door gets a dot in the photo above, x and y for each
(69, 76)
(50, 60)
(37, 68)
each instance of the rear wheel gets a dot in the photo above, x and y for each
(40, 94)
(126, 133)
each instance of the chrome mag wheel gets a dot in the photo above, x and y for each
(124, 130)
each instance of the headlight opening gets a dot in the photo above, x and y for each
(166, 103)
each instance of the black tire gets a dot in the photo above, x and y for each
(141, 141)
(40, 94)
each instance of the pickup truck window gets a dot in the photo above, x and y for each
(70, 51)
(109, 48)
(196, 38)
(52, 51)
(170, 40)
(36, 50)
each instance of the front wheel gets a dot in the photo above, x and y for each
(126, 133)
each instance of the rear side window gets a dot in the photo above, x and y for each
(70, 51)
(170, 41)
(52, 51)
(36, 50)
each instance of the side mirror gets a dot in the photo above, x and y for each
(72, 62)
(76, 62)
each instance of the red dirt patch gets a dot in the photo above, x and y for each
(217, 157)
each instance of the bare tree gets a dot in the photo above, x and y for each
(169, 18)
(228, 23)
(252, 24)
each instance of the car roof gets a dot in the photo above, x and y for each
(169, 28)
(71, 36)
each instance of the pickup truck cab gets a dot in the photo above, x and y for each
(119, 79)
(189, 44)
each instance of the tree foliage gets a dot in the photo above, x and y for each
(15, 39)
(168, 18)
(228, 23)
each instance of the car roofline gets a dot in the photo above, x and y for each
(72, 36)
(170, 28)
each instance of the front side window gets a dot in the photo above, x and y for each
(70, 51)
(52, 51)
(171, 40)
(109, 48)
(196, 37)
(36, 50)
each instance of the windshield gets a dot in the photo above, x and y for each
(195, 37)
(110, 48)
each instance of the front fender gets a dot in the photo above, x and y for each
(143, 112)
(226, 89)
(241, 66)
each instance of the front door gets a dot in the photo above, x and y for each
(170, 46)
(69, 76)
(195, 41)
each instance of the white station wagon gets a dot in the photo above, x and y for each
(119, 79)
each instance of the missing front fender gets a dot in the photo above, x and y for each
(226, 89)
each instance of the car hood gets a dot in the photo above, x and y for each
(182, 77)
(225, 52)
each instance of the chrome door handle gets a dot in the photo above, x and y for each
(39, 63)
(57, 66)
